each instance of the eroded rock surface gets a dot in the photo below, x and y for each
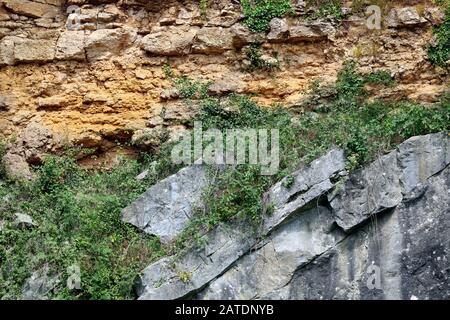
(166, 208)
(387, 181)
(107, 59)
(393, 244)
(228, 243)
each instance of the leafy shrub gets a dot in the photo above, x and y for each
(439, 53)
(326, 8)
(348, 119)
(254, 56)
(259, 13)
(189, 89)
(203, 7)
(79, 222)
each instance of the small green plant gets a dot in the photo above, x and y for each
(190, 89)
(168, 71)
(203, 7)
(2, 154)
(256, 61)
(186, 87)
(288, 182)
(184, 276)
(358, 6)
(326, 8)
(439, 53)
(259, 13)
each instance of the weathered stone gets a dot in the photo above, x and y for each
(367, 192)
(177, 277)
(224, 86)
(105, 43)
(32, 9)
(6, 52)
(35, 136)
(314, 31)
(384, 183)
(173, 41)
(226, 18)
(166, 208)
(34, 50)
(52, 103)
(269, 60)
(16, 166)
(143, 175)
(243, 36)
(279, 30)
(6, 103)
(24, 220)
(434, 15)
(106, 16)
(71, 46)
(295, 243)
(299, 6)
(213, 40)
(226, 244)
(169, 94)
(309, 183)
(39, 285)
(421, 157)
(4, 16)
(404, 17)
(409, 16)
(407, 249)
(92, 97)
(304, 33)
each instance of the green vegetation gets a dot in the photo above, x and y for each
(254, 55)
(190, 89)
(78, 212)
(187, 88)
(2, 154)
(439, 53)
(78, 217)
(326, 8)
(259, 13)
(203, 7)
(346, 118)
(359, 6)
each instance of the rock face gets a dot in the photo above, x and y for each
(409, 244)
(214, 40)
(171, 42)
(39, 285)
(105, 43)
(402, 17)
(107, 58)
(386, 182)
(393, 244)
(227, 244)
(165, 209)
(34, 9)
(71, 46)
